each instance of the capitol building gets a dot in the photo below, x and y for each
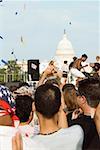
(64, 50)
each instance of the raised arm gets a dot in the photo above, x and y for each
(17, 143)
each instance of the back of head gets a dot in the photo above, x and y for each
(23, 107)
(90, 88)
(24, 90)
(54, 81)
(69, 93)
(47, 100)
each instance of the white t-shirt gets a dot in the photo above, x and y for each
(6, 134)
(29, 131)
(65, 139)
(65, 68)
(33, 144)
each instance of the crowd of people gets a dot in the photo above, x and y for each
(58, 115)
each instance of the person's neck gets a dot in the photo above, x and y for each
(48, 126)
(89, 111)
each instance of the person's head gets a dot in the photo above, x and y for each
(24, 107)
(74, 58)
(13, 88)
(47, 100)
(51, 62)
(65, 61)
(69, 93)
(97, 58)
(90, 90)
(96, 67)
(84, 57)
(23, 90)
(7, 107)
(54, 81)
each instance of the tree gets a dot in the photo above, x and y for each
(10, 72)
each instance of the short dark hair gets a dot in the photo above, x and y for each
(90, 88)
(65, 61)
(23, 107)
(84, 55)
(47, 100)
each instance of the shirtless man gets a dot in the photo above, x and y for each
(77, 64)
(75, 72)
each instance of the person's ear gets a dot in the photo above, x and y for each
(30, 117)
(33, 107)
(83, 99)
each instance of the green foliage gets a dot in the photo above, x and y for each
(12, 72)
(13, 67)
(2, 71)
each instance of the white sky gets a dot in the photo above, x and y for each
(41, 24)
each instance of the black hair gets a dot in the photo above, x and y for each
(74, 58)
(90, 88)
(65, 61)
(96, 67)
(84, 55)
(47, 100)
(23, 107)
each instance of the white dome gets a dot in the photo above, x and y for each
(64, 47)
